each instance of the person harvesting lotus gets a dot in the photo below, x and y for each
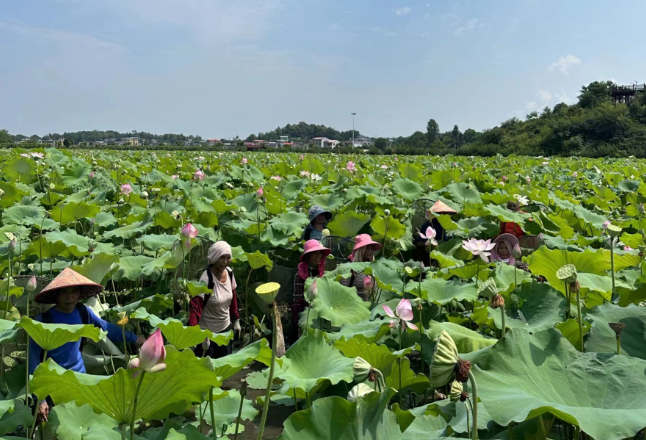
(422, 242)
(312, 265)
(66, 290)
(319, 218)
(363, 252)
(217, 311)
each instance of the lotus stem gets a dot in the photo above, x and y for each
(32, 430)
(125, 345)
(477, 270)
(567, 297)
(618, 344)
(472, 380)
(502, 315)
(468, 424)
(243, 393)
(612, 264)
(401, 324)
(134, 406)
(212, 413)
(44, 356)
(6, 308)
(578, 317)
(386, 234)
(270, 379)
(577, 432)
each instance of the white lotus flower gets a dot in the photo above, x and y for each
(315, 177)
(523, 200)
(479, 248)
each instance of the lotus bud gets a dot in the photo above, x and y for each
(32, 284)
(497, 301)
(325, 232)
(144, 194)
(361, 369)
(387, 212)
(52, 186)
(260, 192)
(175, 215)
(488, 288)
(189, 231)
(151, 356)
(462, 368)
(617, 327)
(456, 391)
(92, 174)
(12, 244)
(358, 391)
(368, 283)
(312, 292)
(614, 231)
(567, 273)
(516, 252)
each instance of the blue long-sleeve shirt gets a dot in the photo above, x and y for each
(69, 356)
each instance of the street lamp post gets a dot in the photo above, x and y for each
(353, 115)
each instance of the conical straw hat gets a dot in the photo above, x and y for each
(442, 208)
(68, 278)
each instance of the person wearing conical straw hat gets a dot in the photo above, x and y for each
(438, 208)
(65, 291)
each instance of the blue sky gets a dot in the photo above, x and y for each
(220, 68)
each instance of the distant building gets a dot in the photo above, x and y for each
(254, 145)
(134, 141)
(212, 141)
(284, 139)
(50, 142)
(324, 142)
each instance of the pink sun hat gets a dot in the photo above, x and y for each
(363, 240)
(511, 241)
(314, 246)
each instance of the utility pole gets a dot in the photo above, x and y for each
(353, 115)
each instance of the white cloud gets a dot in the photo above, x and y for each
(545, 96)
(530, 106)
(403, 11)
(469, 26)
(564, 64)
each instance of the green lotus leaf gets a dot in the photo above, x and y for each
(226, 409)
(505, 215)
(73, 211)
(186, 379)
(129, 231)
(602, 339)
(291, 223)
(367, 331)
(182, 337)
(157, 242)
(14, 413)
(131, 268)
(455, 413)
(71, 422)
(28, 215)
(334, 418)
(311, 362)
(570, 329)
(410, 171)
(77, 245)
(348, 224)
(445, 357)
(508, 278)
(164, 220)
(45, 249)
(8, 288)
(442, 292)
(20, 169)
(462, 193)
(386, 362)
(386, 273)
(195, 288)
(329, 202)
(528, 375)
(98, 267)
(227, 366)
(11, 196)
(339, 304)
(258, 260)
(105, 219)
(407, 189)
(51, 336)
(465, 340)
(390, 227)
(8, 330)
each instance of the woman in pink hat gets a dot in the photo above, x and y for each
(506, 246)
(363, 251)
(312, 265)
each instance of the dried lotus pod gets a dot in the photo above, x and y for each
(617, 327)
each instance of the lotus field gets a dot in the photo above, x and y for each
(453, 341)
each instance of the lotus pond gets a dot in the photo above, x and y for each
(554, 349)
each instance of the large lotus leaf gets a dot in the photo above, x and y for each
(74, 211)
(386, 273)
(45, 249)
(11, 196)
(570, 329)
(334, 418)
(291, 223)
(348, 224)
(407, 189)
(462, 192)
(339, 304)
(182, 337)
(13, 413)
(455, 413)
(98, 267)
(8, 288)
(186, 379)
(227, 366)
(528, 375)
(388, 227)
(329, 202)
(258, 260)
(131, 268)
(8, 330)
(465, 340)
(311, 362)
(508, 277)
(157, 242)
(51, 336)
(440, 291)
(129, 231)
(70, 422)
(505, 215)
(20, 169)
(383, 360)
(602, 338)
(77, 245)
(105, 219)
(23, 215)
(226, 409)
(368, 331)
(540, 308)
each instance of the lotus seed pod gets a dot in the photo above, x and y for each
(361, 369)
(567, 273)
(456, 391)
(614, 231)
(497, 301)
(488, 288)
(617, 327)
(358, 391)
(325, 232)
(175, 214)
(144, 194)
(445, 357)
(387, 212)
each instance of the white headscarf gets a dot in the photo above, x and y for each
(217, 250)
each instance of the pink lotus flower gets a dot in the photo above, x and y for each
(189, 231)
(32, 284)
(174, 176)
(25, 155)
(198, 175)
(368, 283)
(479, 248)
(260, 192)
(91, 175)
(429, 235)
(302, 157)
(151, 356)
(384, 167)
(305, 173)
(455, 164)
(605, 224)
(351, 167)
(403, 314)
(276, 178)
(504, 178)
(396, 159)
(244, 160)
(126, 189)
(628, 248)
